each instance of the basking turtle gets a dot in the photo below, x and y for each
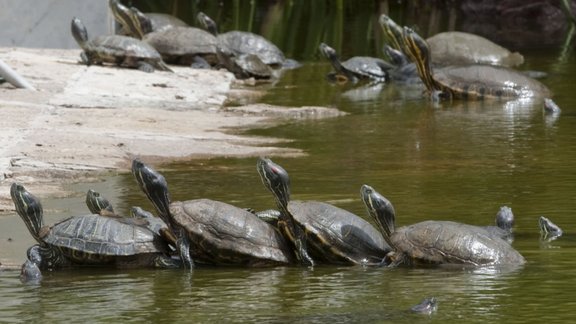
(465, 82)
(159, 21)
(88, 239)
(437, 242)
(213, 232)
(318, 230)
(244, 66)
(356, 68)
(241, 42)
(453, 48)
(115, 49)
(177, 45)
(97, 204)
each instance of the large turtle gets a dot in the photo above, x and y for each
(475, 81)
(213, 232)
(320, 231)
(88, 239)
(437, 242)
(115, 49)
(356, 68)
(241, 42)
(454, 47)
(159, 21)
(177, 45)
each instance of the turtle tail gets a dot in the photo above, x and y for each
(29, 208)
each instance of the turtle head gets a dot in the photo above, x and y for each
(154, 185)
(427, 306)
(207, 23)
(392, 31)
(79, 32)
(328, 52)
(275, 179)
(97, 204)
(396, 57)
(140, 23)
(123, 16)
(505, 219)
(381, 210)
(417, 49)
(29, 209)
(548, 229)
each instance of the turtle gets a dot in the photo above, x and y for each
(242, 42)
(30, 272)
(437, 242)
(548, 230)
(404, 71)
(98, 204)
(470, 82)
(427, 306)
(115, 49)
(213, 232)
(160, 21)
(356, 68)
(455, 47)
(321, 232)
(243, 66)
(88, 239)
(177, 45)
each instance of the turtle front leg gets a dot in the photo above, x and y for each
(300, 246)
(166, 262)
(183, 246)
(145, 67)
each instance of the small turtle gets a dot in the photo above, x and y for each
(356, 68)
(244, 66)
(437, 242)
(213, 232)
(319, 230)
(88, 239)
(246, 43)
(115, 49)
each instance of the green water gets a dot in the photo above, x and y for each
(454, 161)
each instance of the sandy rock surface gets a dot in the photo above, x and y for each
(83, 121)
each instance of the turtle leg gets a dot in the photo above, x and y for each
(298, 237)
(85, 58)
(184, 249)
(145, 67)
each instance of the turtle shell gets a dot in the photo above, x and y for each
(240, 42)
(114, 48)
(93, 239)
(335, 235)
(451, 48)
(223, 234)
(179, 45)
(368, 67)
(445, 242)
(488, 81)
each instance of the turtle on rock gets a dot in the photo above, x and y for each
(115, 49)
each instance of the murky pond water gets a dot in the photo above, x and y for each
(454, 161)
